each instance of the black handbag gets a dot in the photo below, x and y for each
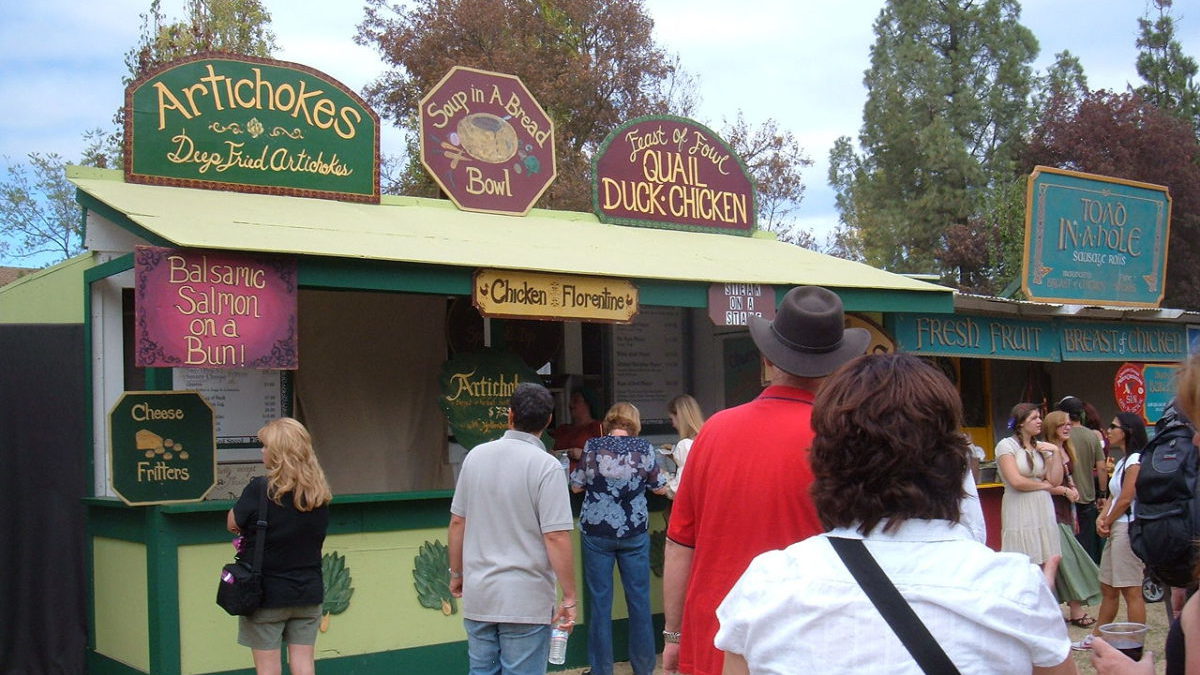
(913, 634)
(240, 590)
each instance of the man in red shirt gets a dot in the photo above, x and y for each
(746, 486)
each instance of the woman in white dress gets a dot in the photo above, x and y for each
(1027, 517)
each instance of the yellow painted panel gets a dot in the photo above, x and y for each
(384, 612)
(122, 613)
(52, 295)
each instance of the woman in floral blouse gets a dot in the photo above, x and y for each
(614, 474)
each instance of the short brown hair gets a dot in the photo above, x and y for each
(888, 444)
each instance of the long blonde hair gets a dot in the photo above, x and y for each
(688, 417)
(292, 465)
(623, 415)
(1050, 426)
(1187, 397)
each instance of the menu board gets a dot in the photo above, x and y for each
(648, 364)
(242, 399)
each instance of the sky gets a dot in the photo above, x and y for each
(800, 62)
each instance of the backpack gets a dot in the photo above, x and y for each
(1166, 521)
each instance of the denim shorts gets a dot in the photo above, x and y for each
(269, 628)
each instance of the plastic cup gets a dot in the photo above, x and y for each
(1127, 637)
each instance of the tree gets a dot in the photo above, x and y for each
(774, 159)
(1124, 136)
(236, 26)
(1168, 73)
(591, 64)
(38, 214)
(1064, 77)
(947, 102)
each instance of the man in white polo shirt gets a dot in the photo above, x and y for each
(510, 538)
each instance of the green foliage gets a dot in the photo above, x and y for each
(38, 214)
(431, 577)
(947, 104)
(1169, 73)
(337, 583)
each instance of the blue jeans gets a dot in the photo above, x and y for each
(507, 648)
(632, 556)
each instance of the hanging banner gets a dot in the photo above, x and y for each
(212, 309)
(975, 336)
(486, 141)
(1086, 341)
(1095, 239)
(233, 122)
(672, 173)
(476, 390)
(553, 297)
(734, 304)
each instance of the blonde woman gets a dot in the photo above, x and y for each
(1077, 580)
(297, 516)
(687, 420)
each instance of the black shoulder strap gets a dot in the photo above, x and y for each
(260, 536)
(898, 614)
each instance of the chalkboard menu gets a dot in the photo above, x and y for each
(648, 362)
(243, 400)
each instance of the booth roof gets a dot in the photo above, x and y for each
(433, 231)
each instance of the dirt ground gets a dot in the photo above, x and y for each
(1155, 618)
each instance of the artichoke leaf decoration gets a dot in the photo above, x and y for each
(431, 577)
(337, 587)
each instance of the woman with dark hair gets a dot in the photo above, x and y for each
(1120, 570)
(1031, 471)
(1183, 639)
(888, 462)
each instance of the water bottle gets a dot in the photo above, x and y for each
(558, 646)
(565, 460)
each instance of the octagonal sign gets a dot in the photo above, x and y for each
(162, 447)
(487, 142)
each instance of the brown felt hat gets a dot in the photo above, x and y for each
(808, 337)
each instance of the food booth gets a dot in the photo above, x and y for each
(237, 264)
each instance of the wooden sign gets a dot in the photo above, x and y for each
(734, 304)
(673, 173)
(1095, 239)
(233, 122)
(476, 390)
(554, 297)
(486, 141)
(211, 309)
(162, 447)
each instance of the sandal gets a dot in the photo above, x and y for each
(1082, 622)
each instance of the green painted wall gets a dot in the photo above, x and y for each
(122, 613)
(53, 295)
